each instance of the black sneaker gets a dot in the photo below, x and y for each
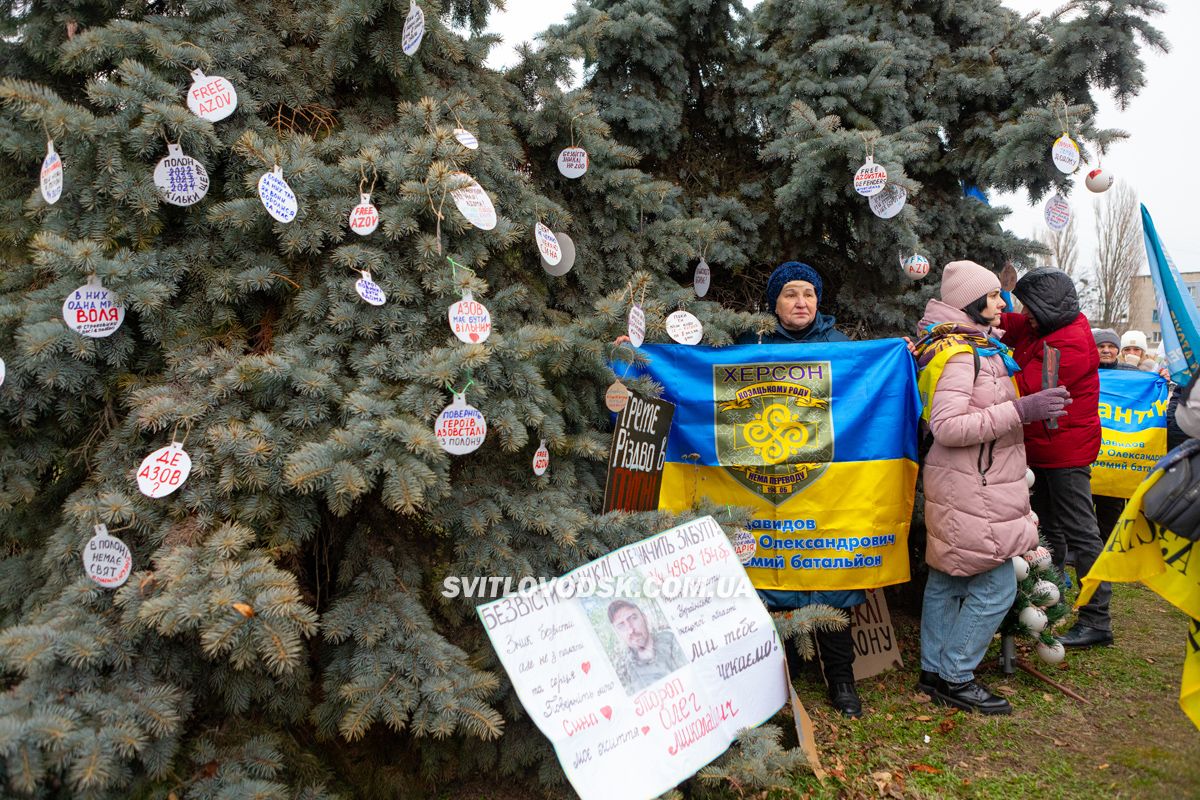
(971, 696)
(928, 682)
(844, 697)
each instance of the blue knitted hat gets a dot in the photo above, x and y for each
(788, 272)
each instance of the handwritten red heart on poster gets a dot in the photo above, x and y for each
(586, 667)
(607, 712)
(645, 729)
(474, 337)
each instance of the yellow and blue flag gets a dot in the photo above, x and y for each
(1133, 421)
(820, 440)
(1176, 311)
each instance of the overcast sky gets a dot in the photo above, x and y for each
(1160, 121)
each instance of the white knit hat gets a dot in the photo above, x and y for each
(1134, 339)
(964, 282)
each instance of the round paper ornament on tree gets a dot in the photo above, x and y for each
(414, 30)
(1057, 212)
(1020, 568)
(1033, 515)
(1051, 653)
(106, 559)
(1065, 154)
(702, 278)
(684, 328)
(1038, 557)
(470, 321)
(573, 162)
(616, 397)
(1099, 180)
(636, 326)
(473, 202)
(277, 196)
(1044, 594)
(889, 201)
(164, 470)
(460, 428)
(1029, 477)
(547, 244)
(181, 180)
(567, 248)
(541, 459)
(92, 310)
(52, 174)
(211, 98)
(369, 290)
(915, 266)
(364, 217)
(466, 138)
(744, 545)
(1033, 618)
(870, 178)
(3, 371)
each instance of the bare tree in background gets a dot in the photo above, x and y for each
(1119, 254)
(1063, 247)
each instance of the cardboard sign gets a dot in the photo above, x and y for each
(211, 98)
(181, 180)
(637, 455)
(164, 470)
(93, 311)
(875, 647)
(414, 30)
(1050, 361)
(364, 218)
(107, 560)
(635, 685)
(277, 196)
(52, 174)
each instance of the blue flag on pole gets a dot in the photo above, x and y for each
(1177, 313)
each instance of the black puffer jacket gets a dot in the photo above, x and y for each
(1050, 296)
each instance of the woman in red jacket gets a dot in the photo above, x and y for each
(1061, 457)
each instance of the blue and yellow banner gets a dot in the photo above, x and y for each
(1133, 421)
(1180, 321)
(819, 439)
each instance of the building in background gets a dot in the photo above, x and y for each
(1143, 310)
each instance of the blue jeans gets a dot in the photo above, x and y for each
(959, 617)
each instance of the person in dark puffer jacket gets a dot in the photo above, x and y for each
(1061, 457)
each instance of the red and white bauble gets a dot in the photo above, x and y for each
(460, 428)
(915, 266)
(211, 97)
(1099, 180)
(469, 319)
(541, 459)
(93, 311)
(364, 217)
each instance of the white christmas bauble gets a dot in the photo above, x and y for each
(1020, 567)
(541, 459)
(1057, 212)
(164, 470)
(460, 428)
(1038, 557)
(616, 397)
(1044, 594)
(2, 371)
(1051, 654)
(211, 97)
(1033, 618)
(573, 162)
(870, 179)
(1065, 154)
(470, 320)
(889, 201)
(567, 247)
(1099, 180)
(915, 266)
(1029, 478)
(466, 138)
(364, 217)
(93, 310)
(369, 290)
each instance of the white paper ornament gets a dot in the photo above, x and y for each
(1038, 557)
(547, 244)
(744, 545)
(181, 180)
(460, 428)
(567, 248)
(470, 321)
(93, 311)
(636, 326)
(1020, 568)
(364, 218)
(466, 138)
(1033, 515)
(1033, 618)
(1099, 180)
(684, 328)
(870, 178)
(164, 470)
(702, 278)
(1029, 477)
(106, 559)
(573, 162)
(3, 371)
(1044, 594)
(414, 30)
(1065, 154)
(277, 196)
(1051, 654)
(915, 266)
(541, 459)
(369, 290)
(889, 201)
(616, 397)
(473, 202)
(52, 174)
(211, 97)
(1057, 212)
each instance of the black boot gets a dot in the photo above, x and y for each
(928, 682)
(844, 697)
(1081, 636)
(971, 696)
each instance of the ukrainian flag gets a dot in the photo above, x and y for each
(1133, 436)
(820, 440)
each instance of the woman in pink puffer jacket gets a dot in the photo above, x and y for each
(976, 500)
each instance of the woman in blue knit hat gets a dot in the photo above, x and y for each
(793, 294)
